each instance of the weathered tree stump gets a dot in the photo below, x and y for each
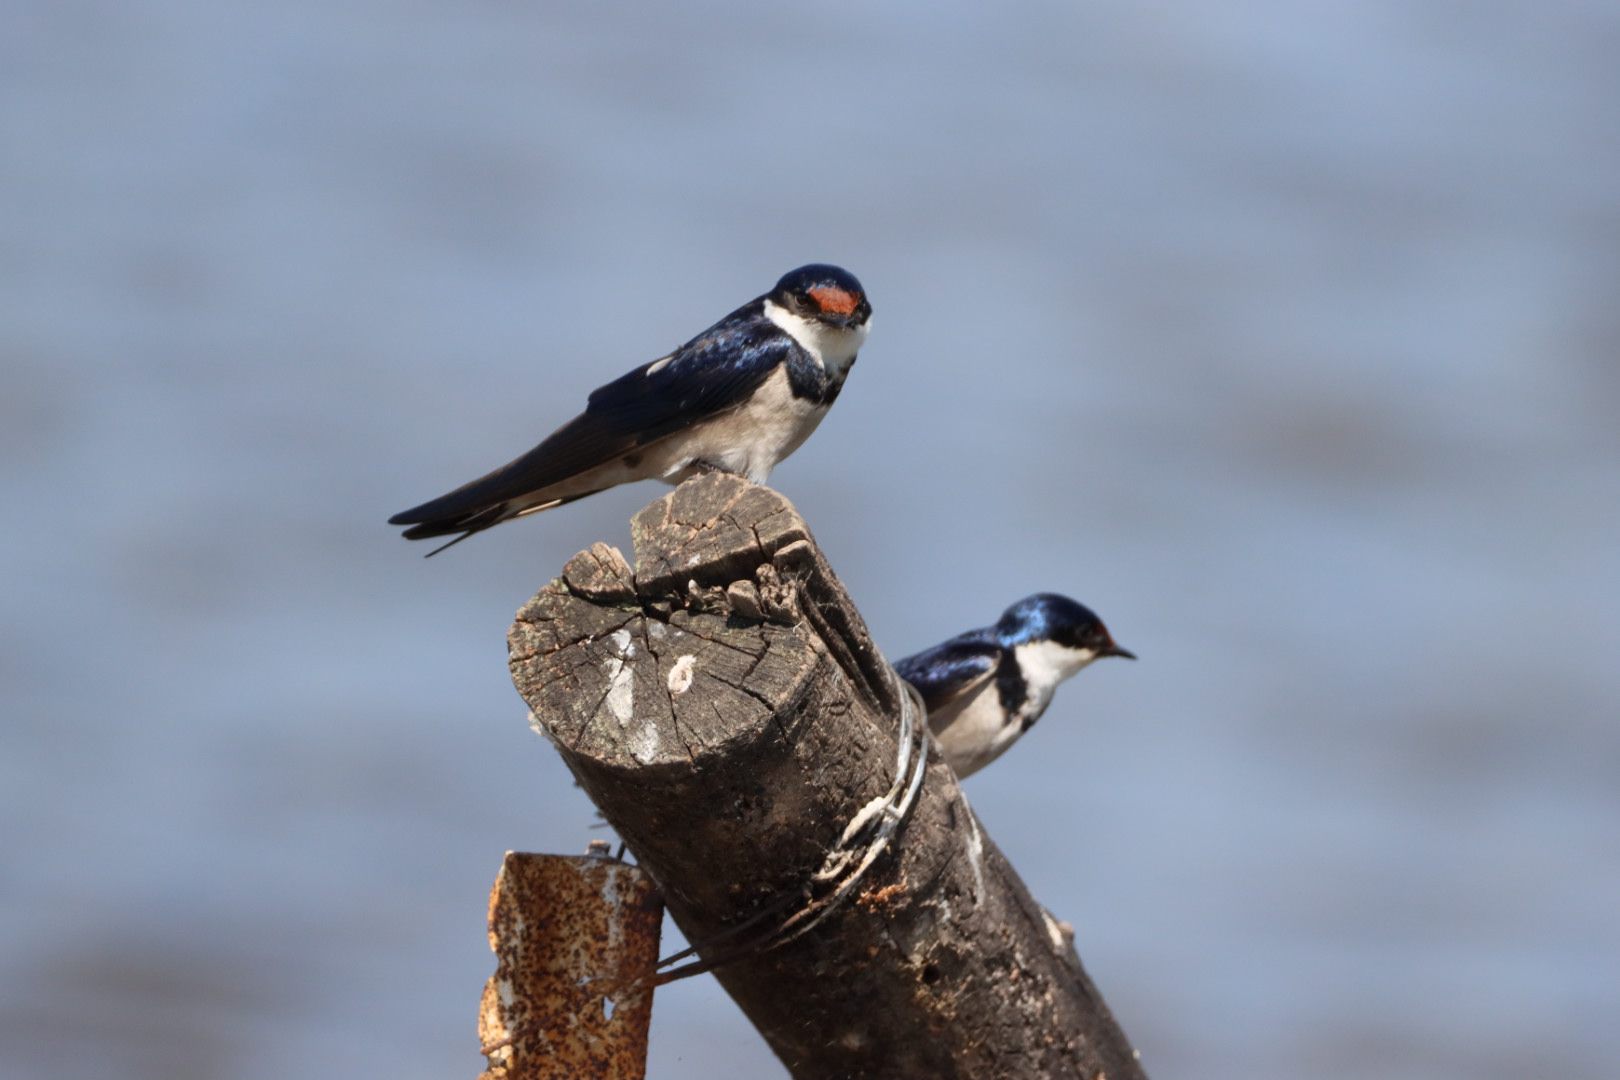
(725, 708)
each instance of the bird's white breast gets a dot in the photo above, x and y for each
(751, 438)
(975, 732)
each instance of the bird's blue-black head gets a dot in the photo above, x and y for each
(1055, 618)
(828, 294)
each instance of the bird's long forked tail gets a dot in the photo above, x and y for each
(468, 524)
(452, 543)
(464, 524)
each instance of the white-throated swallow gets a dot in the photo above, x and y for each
(983, 689)
(739, 397)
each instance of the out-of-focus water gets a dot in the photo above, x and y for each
(1284, 335)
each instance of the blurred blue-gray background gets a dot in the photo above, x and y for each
(1285, 335)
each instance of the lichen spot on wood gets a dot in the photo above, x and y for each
(644, 743)
(680, 675)
(621, 695)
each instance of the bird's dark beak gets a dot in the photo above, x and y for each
(845, 322)
(1114, 650)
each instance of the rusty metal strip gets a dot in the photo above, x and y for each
(575, 940)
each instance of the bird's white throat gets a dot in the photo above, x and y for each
(832, 346)
(1045, 664)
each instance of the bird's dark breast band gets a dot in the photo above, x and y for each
(809, 381)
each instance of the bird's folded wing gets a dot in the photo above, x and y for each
(706, 376)
(949, 672)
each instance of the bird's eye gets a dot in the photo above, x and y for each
(1087, 638)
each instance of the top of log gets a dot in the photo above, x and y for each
(721, 564)
(718, 528)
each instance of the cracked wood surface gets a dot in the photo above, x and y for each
(725, 708)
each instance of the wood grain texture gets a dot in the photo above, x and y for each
(724, 706)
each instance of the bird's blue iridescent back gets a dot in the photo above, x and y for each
(715, 370)
(942, 672)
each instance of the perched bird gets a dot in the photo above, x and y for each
(985, 688)
(739, 398)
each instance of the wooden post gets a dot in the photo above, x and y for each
(726, 710)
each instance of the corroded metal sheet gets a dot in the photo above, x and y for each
(573, 937)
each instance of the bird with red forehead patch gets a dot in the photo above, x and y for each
(739, 397)
(823, 299)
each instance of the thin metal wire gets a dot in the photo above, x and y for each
(863, 841)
